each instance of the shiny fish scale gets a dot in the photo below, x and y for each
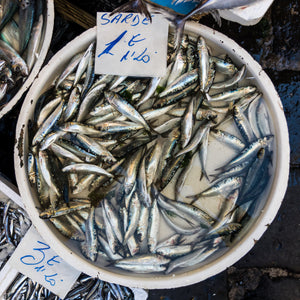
(84, 288)
(118, 144)
(14, 223)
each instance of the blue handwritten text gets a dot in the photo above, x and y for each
(134, 55)
(41, 262)
(131, 19)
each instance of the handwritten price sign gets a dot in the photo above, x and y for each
(129, 44)
(35, 259)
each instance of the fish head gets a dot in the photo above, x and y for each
(19, 68)
(25, 3)
(46, 214)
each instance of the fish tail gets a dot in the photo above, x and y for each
(138, 6)
(179, 23)
(194, 198)
(205, 175)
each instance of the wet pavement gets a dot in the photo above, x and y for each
(271, 270)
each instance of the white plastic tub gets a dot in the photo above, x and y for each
(255, 228)
(46, 40)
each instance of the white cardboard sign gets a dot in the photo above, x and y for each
(129, 44)
(34, 258)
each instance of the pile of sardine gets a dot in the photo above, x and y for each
(14, 224)
(104, 149)
(85, 287)
(21, 25)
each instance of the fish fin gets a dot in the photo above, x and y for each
(193, 197)
(118, 178)
(179, 23)
(221, 169)
(207, 97)
(165, 134)
(134, 5)
(232, 210)
(205, 175)
(215, 177)
(201, 175)
(216, 15)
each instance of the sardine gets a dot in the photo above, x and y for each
(126, 109)
(223, 187)
(153, 226)
(16, 62)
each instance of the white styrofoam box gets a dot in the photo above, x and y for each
(249, 15)
(245, 15)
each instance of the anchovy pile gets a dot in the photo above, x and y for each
(104, 149)
(85, 288)
(21, 25)
(14, 224)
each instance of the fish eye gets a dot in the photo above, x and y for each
(3, 79)
(24, 3)
(17, 69)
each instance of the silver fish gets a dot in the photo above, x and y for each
(83, 63)
(174, 251)
(48, 124)
(111, 239)
(96, 147)
(86, 102)
(223, 187)
(243, 125)
(171, 241)
(126, 109)
(147, 263)
(65, 209)
(228, 139)
(231, 95)
(187, 124)
(150, 90)
(224, 66)
(64, 153)
(195, 140)
(153, 226)
(70, 68)
(34, 42)
(81, 167)
(252, 116)
(90, 244)
(142, 187)
(179, 66)
(239, 75)
(72, 105)
(191, 259)
(113, 219)
(142, 226)
(48, 109)
(170, 219)
(134, 216)
(250, 151)
(180, 83)
(75, 127)
(16, 62)
(203, 58)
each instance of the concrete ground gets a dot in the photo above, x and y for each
(271, 270)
